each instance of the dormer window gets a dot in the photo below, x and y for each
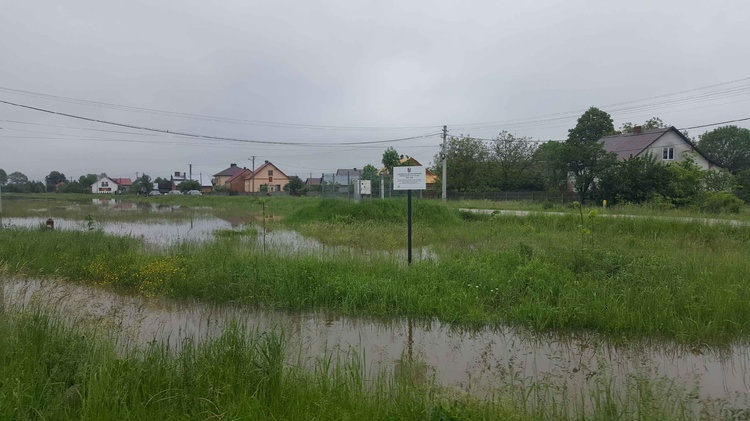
(667, 154)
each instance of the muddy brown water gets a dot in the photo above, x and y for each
(478, 362)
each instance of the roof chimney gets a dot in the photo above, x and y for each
(232, 165)
(637, 129)
(266, 161)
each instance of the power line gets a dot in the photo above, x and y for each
(71, 100)
(210, 137)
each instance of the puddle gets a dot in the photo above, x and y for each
(159, 233)
(475, 362)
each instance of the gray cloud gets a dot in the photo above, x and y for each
(345, 63)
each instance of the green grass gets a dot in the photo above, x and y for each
(51, 371)
(627, 278)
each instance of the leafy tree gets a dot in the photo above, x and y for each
(468, 160)
(188, 185)
(719, 181)
(585, 156)
(743, 185)
(586, 161)
(142, 184)
(391, 159)
(729, 146)
(634, 180)
(17, 177)
(685, 181)
(369, 172)
(295, 185)
(650, 124)
(3, 177)
(551, 166)
(53, 179)
(512, 158)
(87, 180)
(593, 125)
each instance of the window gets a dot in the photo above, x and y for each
(105, 183)
(667, 154)
(270, 179)
(270, 172)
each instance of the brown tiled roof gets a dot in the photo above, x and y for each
(239, 174)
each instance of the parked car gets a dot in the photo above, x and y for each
(174, 192)
(154, 193)
(194, 193)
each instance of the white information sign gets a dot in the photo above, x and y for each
(409, 178)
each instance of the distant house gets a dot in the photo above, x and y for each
(221, 178)
(269, 174)
(666, 145)
(176, 179)
(349, 172)
(125, 184)
(236, 183)
(313, 181)
(105, 185)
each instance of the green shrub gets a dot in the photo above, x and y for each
(719, 202)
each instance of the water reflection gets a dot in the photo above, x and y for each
(478, 362)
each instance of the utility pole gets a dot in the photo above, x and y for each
(444, 157)
(252, 179)
(191, 172)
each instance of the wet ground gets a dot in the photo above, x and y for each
(479, 362)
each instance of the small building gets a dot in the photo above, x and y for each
(105, 185)
(125, 184)
(236, 183)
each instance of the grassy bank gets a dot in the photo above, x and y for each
(51, 371)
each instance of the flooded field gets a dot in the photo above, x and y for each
(160, 225)
(479, 362)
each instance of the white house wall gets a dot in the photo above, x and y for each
(673, 140)
(97, 187)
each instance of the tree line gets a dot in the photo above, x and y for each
(509, 162)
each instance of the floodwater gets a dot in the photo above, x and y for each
(193, 225)
(478, 362)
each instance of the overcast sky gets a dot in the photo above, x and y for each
(347, 71)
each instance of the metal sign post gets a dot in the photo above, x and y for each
(409, 178)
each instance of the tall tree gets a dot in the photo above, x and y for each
(3, 177)
(468, 162)
(550, 164)
(53, 179)
(391, 159)
(142, 184)
(294, 185)
(729, 146)
(17, 177)
(593, 125)
(512, 158)
(585, 156)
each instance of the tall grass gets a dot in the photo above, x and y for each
(51, 371)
